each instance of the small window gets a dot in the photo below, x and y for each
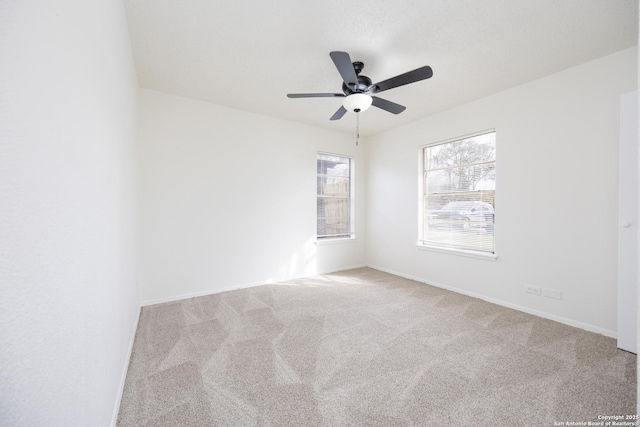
(335, 202)
(457, 193)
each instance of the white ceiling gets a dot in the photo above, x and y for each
(249, 54)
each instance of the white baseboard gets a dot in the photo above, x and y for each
(545, 315)
(559, 319)
(202, 293)
(242, 286)
(123, 377)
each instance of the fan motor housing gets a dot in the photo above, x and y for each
(362, 86)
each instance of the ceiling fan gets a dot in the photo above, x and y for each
(358, 91)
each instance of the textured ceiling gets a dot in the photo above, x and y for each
(249, 55)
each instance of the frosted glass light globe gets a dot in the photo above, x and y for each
(357, 102)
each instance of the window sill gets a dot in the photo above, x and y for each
(460, 252)
(334, 241)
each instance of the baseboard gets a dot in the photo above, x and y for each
(559, 319)
(545, 315)
(242, 286)
(123, 378)
(202, 293)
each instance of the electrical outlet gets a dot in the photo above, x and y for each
(552, 293)
(530, 289)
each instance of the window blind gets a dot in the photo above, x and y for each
(458, 193)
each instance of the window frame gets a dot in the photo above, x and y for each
(432, 246)
(350, 235)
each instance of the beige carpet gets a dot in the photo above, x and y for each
(366, 348)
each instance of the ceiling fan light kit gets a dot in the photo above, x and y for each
(358, 91)
(357, 102)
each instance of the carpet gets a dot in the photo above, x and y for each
(366, 348)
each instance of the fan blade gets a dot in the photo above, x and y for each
(416, 75)
(315, 95)
(389, 106)
(338, 114)
(345, 67)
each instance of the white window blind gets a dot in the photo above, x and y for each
(458, 193)
(334, 201)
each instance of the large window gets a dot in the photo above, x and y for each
(458, 186)
(334, 217)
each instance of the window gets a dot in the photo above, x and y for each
(335, 207)
(457, 193)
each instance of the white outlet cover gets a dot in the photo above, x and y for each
(552, 293)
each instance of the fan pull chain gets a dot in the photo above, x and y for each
(357, 128)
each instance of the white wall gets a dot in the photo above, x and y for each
(556, 197)
(67, 211)
(228, 198)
